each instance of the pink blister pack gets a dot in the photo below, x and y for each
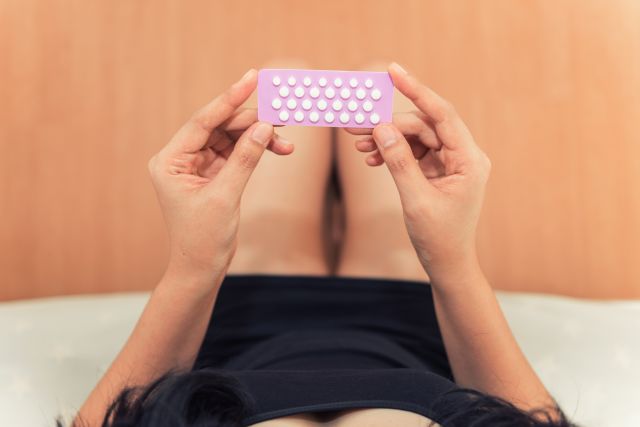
(357, 99)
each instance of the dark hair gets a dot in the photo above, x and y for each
(207, 398)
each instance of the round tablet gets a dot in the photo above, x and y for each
(322, 105)
(306, 104)
(330, 93)
(360, 93)
(353, 82)
(299, 92)
(375, 94)
(374, 118)
(345, 93)
(337, 105)
(337, 82)
(367, 106)
(322, 82)
(276, 81)
(291, 104)
(284, 115)
(368, 83)
(276, 103)
(298, 116)
(284, 91)
(314, 116)
(314, 92)
(328, 117)
(306, 81)
(352, 105)
(291, 81)
(359, 118)
(344, 118)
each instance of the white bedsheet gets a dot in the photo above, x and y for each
(52, 351)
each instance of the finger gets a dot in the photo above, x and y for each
(359, 131)
(416, 123)
(397, 155)
(244, 158)
(448, 125)
(374, 159)
(195, 133)
(240, 120)
(366, 145)
(280, 145)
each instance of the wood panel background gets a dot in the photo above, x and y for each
(89, 90)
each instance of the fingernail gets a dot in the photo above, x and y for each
(247, 75)
(285, 141)
(399, 68)
(387, 136)
(262, 133)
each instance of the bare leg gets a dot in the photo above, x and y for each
(281, 222)
(375, 242)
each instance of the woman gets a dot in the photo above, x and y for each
(387, 339)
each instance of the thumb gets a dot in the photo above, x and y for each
(399, 158)
(244, 158)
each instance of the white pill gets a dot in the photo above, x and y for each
(322, 82)
(367, 106)
(291, 104)
(330, 93)
(368, 83)
(360, 93)
(328, 117)
(352, 106)
(306, 104)
(337, 82)
(276, 81)
(353, 82)
(284, 115)
(344, 118)
(322, 105)
(276, 103)
(374, 118)
(299, 92)
(337, 105)
(314, 116)
(306, 81)
(284, 91)
(345, 93)
(359, 118)
(314, 92)
(375, 94)
(298, 116)
(291, 81)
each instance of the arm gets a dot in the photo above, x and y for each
(199, 177)
(441, 175)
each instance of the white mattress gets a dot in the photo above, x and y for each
(52, 351)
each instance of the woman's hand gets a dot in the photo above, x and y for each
(199, 177)
(441, 192)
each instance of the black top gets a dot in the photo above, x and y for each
(312, 344)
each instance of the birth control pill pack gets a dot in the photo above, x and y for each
(358, 99)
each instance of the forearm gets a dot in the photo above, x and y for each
(482, 350)
(167, 337)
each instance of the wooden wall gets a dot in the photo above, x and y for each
(90, 89)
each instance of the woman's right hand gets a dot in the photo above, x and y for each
(441, 192)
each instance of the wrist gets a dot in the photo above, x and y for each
(458, 271)
(193, 277)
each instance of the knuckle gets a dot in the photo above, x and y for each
(247, 159)
(397, 162)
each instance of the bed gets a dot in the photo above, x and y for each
(52, 351)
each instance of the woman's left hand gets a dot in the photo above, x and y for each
(200, 175)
